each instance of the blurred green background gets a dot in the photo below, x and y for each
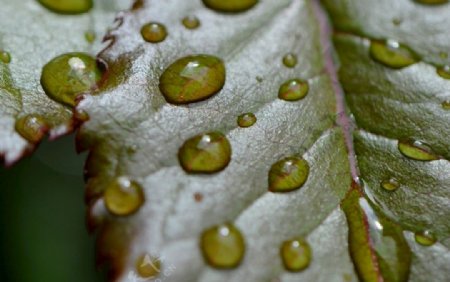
(42, 228)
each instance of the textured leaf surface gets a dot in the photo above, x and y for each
(33, 35)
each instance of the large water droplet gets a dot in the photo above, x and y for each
(148, 266)
(68, 75)
(416, 150)
(31, 127)
(230, 6)
(223, 246)
(444, 72)
(288, 174)
(190, 22)
(123, 196)
(5, 57)
(425, 238)
(290, 60)
(205, 153)
(192, 78)
(154, 32)
(392, 54)
(432, 2)
(296, 254)
(390, 184)
(246, 120)
(68, 7)
(293, 90)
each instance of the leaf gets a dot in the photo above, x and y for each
(32, 35)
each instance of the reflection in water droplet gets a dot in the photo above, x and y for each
(416, 150)
(89, 36)
(296, 254)
(425, 238)
(288, 174)
(148, 267)
(246, 120)
(230, 6)
(290, 60)
(31, 127)
(446, 105)
(444, 72)
(223, 246)
(123, 196)
(432, 2)
(392, 54)
(154, 32)
(68, 75)
(390, 184)
(5, 57)
(192, 78)
(293, 90)
(205, 153)
(191, 22)
(68, 7)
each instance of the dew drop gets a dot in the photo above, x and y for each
(123, 196)
(190, 22)
(230, 6)
(446, 105)
(68, 7)
(89, 36)
(288, 174)
(205, 153)
(416, 150)
(192, 78)
(432, 2)
(148, 266)
(390, 184)
(31, 127)
(296, 254)
(290, 60)
(246, 120)
(293, 90)
(154, 32)
(68, 75)
(5, 57)
(223, 246)
(392, 54)
(444, 72)
(425, 238)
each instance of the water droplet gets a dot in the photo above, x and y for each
(288, 174)
(259, 79)
(123, 196)
(390, 184)
(290, 60)
(154, 32)
(89, 36)
(192, 78)
(432, 2)
(425, 238)
(416, 150)
(148, 266)
(296, 254)
(205, 153)
(392, 54)
(246, 120)
(31, 127)
(396, 21)
(223, 246)
(293, 90)
(444, 72)
(191, 22)
(230, 6)
(68, 75)
(446, 105)
(5, 57)
(68, 7)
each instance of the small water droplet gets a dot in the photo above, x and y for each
(416, 150)
(432, 2)
(31, 127)
(123, 196)
(148, 266)
(425, 238)
(390, 184)
(190, 22)
(446, 105)
(296, 254)
(192, 78)
(392, 54)
(293, 90)
(154, 32)
(230, 6)
(288, 174)
(205, 153)
(68, 75)
(5, 57)
(396, 21)
(443, 72)
(259, 79)
(290, 60)
(67, 7)
(246, 120)
(89, 36)
(223, 246)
